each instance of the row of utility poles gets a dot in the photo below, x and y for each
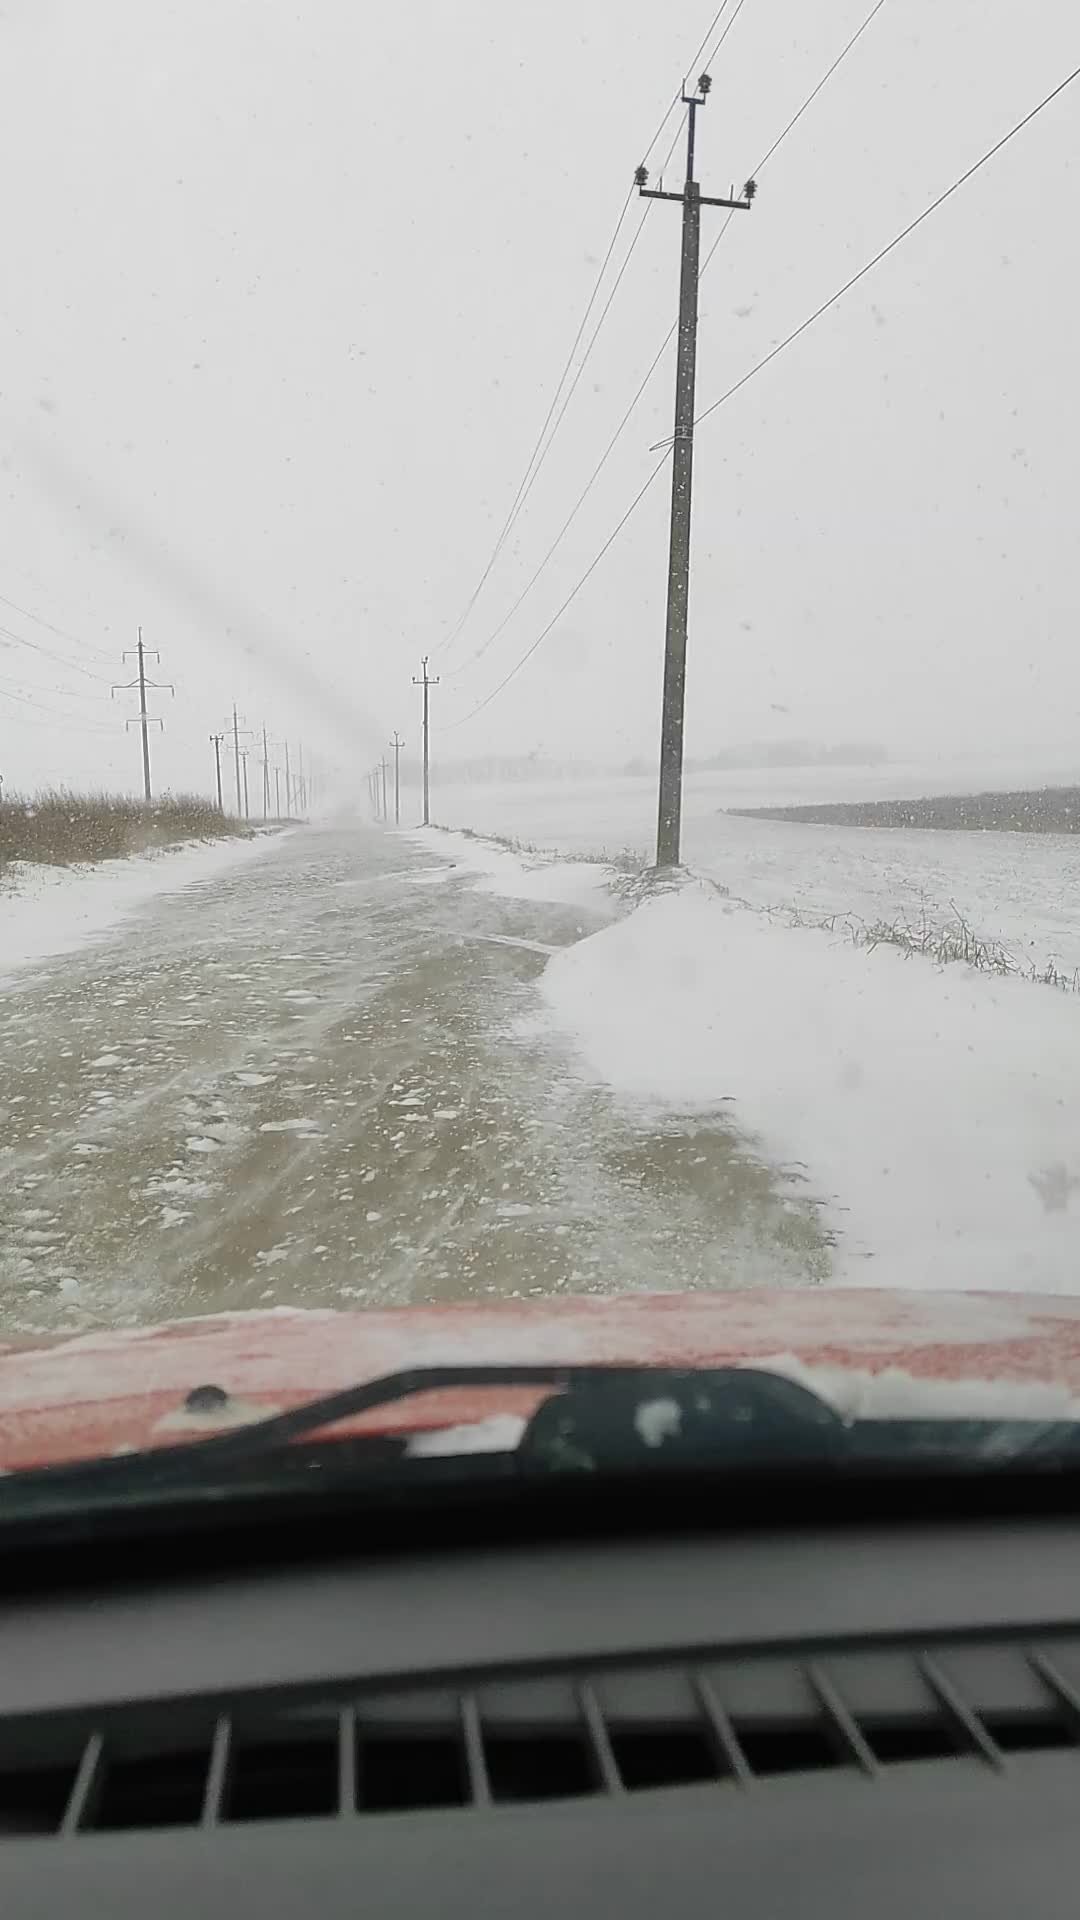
(377, 776)
(377, 780)
(299, 785)
(673, 708)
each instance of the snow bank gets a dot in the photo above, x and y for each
(936, 1113)
(52, 910)
(576, 883)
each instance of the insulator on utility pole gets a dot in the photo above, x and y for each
(669, 809)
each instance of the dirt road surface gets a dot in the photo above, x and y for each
(320, 1079)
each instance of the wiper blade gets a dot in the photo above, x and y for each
(596, 1419)
(602, 1419)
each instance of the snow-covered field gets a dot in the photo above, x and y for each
(1018, 889)
(935, 1112)
(53, 910)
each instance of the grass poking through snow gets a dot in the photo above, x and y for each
(65, 829)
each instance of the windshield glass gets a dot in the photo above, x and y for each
(537, 707)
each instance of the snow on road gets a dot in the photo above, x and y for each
(381, 1068)
(319, 1079)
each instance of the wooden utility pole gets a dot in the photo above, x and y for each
(144, 722)
(244, 757)
(288, 784)
(215, 741)
(397, 743)
(424, 681)
(265, 764)
(669, 817)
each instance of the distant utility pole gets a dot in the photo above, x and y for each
(215, 741)
(424, 681)
(244, 757)
(288, 784)
(397, 743)
(237, 730)
(144, 721)
(383, 771)
(669, 822)
(277, 793)
(266, 776)
(301, 784)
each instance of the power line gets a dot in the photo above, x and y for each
(520, 504)
(539, 451)
(893, 244)
(726, 31)
(665, 343)
(22, 685)
(50, 653)
(825, 78)
(556, 617)
(39, 706)
(795, 334)
(524, 481)
(60, 632)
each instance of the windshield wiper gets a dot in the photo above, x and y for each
(595, 1417)
(595, 1420)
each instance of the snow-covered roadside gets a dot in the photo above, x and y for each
(47, 910)
(935, 1112)
(1017, 889)
(575, 883)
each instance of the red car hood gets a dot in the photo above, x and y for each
(869, 1353)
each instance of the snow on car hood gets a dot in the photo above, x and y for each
(869, 1353)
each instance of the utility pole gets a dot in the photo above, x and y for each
(266, 776)
(144, 721)
(383, 770)
(425, 682)
(215, 741)
(236, 730)
(277, 793)
(669, 819)
(301, 786)
(244, 757)
(288, 784)
(397, 743)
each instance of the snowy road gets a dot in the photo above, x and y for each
(318, 1079)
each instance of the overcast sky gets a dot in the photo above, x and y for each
(287, 286)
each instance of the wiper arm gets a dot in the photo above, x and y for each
(596, 1416)
(595, 1419)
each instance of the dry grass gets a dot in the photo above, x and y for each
(64, 829)
(944, 942)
